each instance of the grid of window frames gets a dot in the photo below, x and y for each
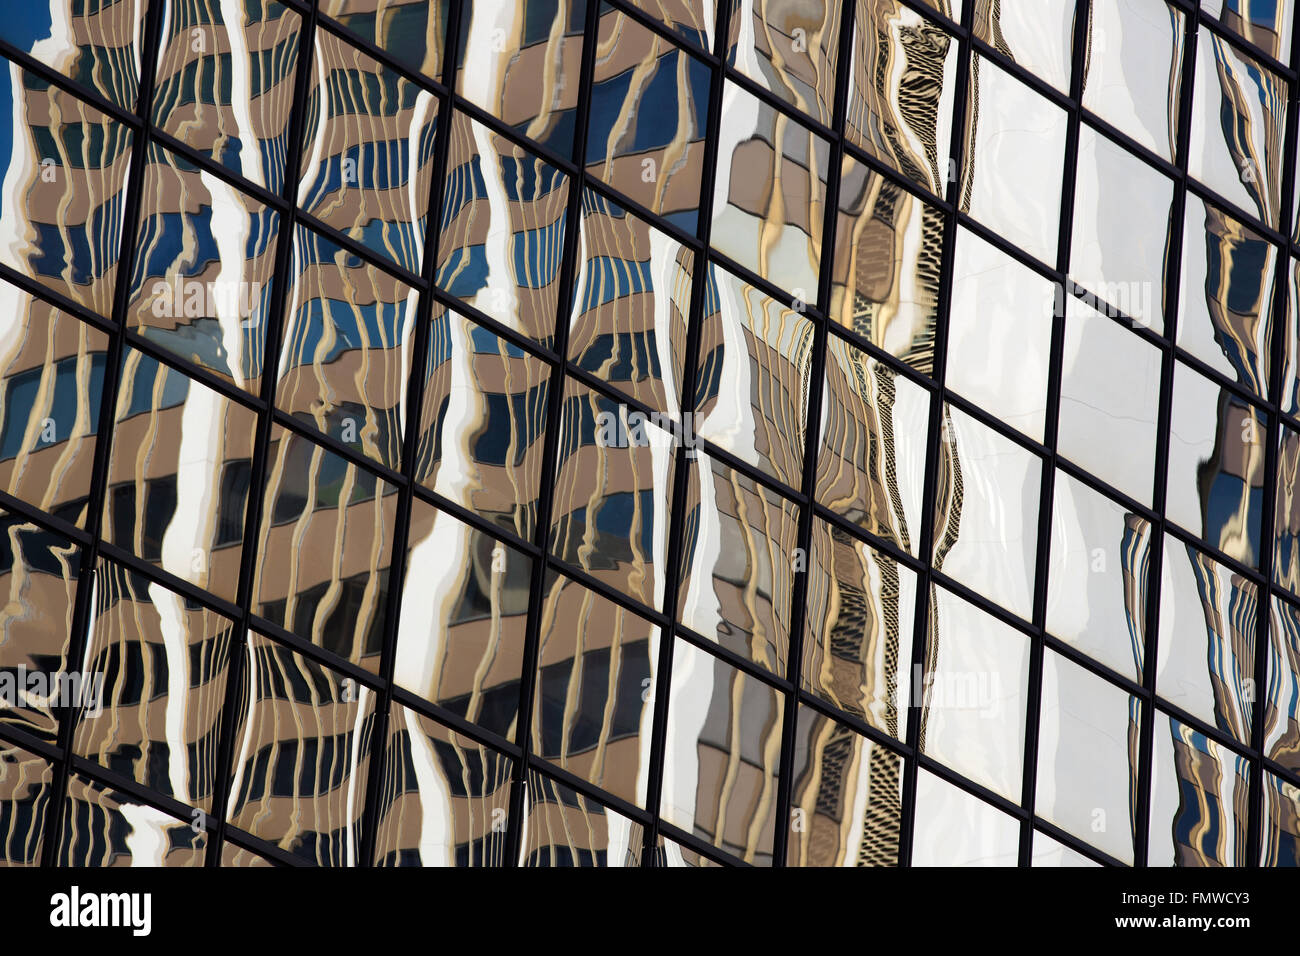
(649, 432)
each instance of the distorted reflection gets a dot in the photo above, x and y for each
(954, 828)
(565, 828)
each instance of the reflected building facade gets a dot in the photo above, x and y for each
(644, 433)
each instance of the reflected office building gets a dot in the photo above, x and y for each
(649, 433)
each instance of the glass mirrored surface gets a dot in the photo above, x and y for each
(649, 109)
(104, 827)
(886, 268)
(871, 459)
(502, 230)
(1282, 704)
(789, 50)
(846, 808)
(740, 557)
(461, 633)
(986, 512)
(225, 82)
(1088, 745)
(26, 782)
(1280, 845)
(445, 800)
(346, 350)
(202, 282)
(303, 750)
(1199, 791)
(1215, 485)
(567, 829)
(413, 32)
(154, 676)
(1014, 152)
(857, 644)
(721, 755)
(1036, 34)
(972, 696)
(179, 475)
(1098, 565)
(955, 828)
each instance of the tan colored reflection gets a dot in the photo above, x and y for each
(739, 564)
(38, 585)
(631, 299)
(445, 798)
(847, 793)
(483, 423)
(752, 388)
(205, 260)
(178, 475)
(594, 700)
(414, 32)
(163, 663)
(503, 225)
(858, 630)
(51, 386)
(103, 827)
(567, 829)
(324, 550)
(614, 481)
(367, 152)
(64, 186)
(871, 461)
(225, 87)
(94, 44)
(721, 755)
(25, 785)
(345, 356)
(789, 49)
(460, 638)
(302, 754)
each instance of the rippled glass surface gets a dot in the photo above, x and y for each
(1098, 588)
(25, 784)
(157, 667)
(503, 222)
(225, 82)
(460, 641)
(1216, 465)
(739, 562)
(901, 91)
(595, 689)
(1206, 652)
(1199, 790)
(304, 748)
(38, 575)
(367, 152)
(613, 487)
(857, 644)
(769, 198)
(846, 806)
(645, 132)
(324, 548)
(1226, 303)
(871, 460)
(62, 189)
(51, 389)
(444, 800)
(179, 475)
(519, 61)
(722, 754)
(566, 829)
(886, 265)
(346, 354)
(753, 380)
(1239, 154)
(631, 301)
(613, 432)
(204, 269)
